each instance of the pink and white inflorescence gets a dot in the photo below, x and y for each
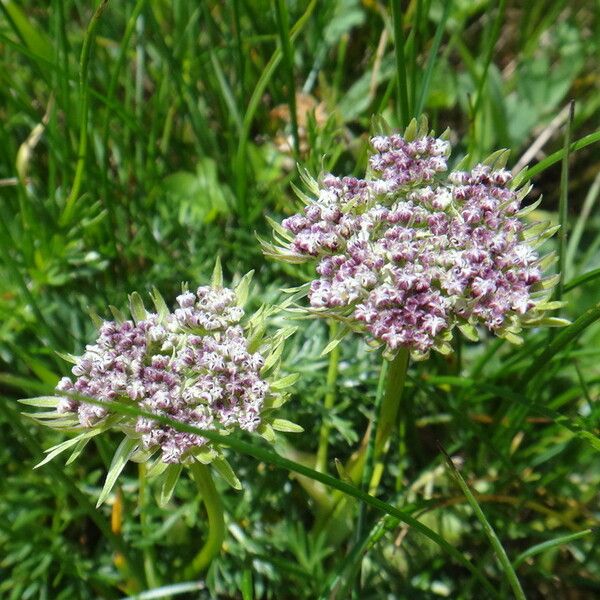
(193, 366)
(412, 251)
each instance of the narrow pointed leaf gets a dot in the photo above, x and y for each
(169, 481)
(136, 306)
(224, 469)
(217, 276)
(287, 426)
(122, 454)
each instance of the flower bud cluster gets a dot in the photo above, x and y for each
(412, 251)
(193, 366)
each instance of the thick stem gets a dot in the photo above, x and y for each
(148, 551)
(330, 395)
(387, 405)
(390, 405)
(369, 462)
(216, 522)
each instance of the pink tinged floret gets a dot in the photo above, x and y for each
(186, 300)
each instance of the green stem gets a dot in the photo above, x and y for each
(391, 400)
(369, 463)
(216, 522)
(330, 395)
(148, 551)
(387, 404)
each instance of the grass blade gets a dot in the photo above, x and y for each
(253, 103)
(431, 60)
(495, 542)
(540, 167)
(401, 78)
(563, 206)
(168, 590)
(548, 545)
(288, 62)
(84, 97)
(581, 280)
(270, 457)
(490, 45)
(566, 336)
(579, 228)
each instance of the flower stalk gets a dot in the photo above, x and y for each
(329, 402)
(148, 551)
(216, 522)
(387, 406)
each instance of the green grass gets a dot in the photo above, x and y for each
(140, 140)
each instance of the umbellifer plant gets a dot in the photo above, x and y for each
(202, 364)
(413, 252)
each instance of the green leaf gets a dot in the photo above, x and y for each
(205, 455)
(197, 198)
(497, 160)
(169, 480)
(126, 448)
(224, 469)
(339, 336)
(309, 181)
(266, 431)
(550, 305)
(41, 401)
(284, 382)
(410, 133)
(70, 358)
(117, 314)
(554, 322)
(287, 426)
(469, 331)
(79, 448)
(548, 545)
(513, 339)
(243, 288)
(59, 449)
(156, 469)
(344, 475)
(159, 303)
(217, 275)
(34, 37)
(529, 209)
(96, 320)
(272, 359)
(137, 308)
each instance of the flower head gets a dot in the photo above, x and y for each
(411, 251)
(202, 365)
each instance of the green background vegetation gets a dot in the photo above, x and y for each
(139, 140)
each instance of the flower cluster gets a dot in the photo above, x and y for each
(195, 365)
(412, 251)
